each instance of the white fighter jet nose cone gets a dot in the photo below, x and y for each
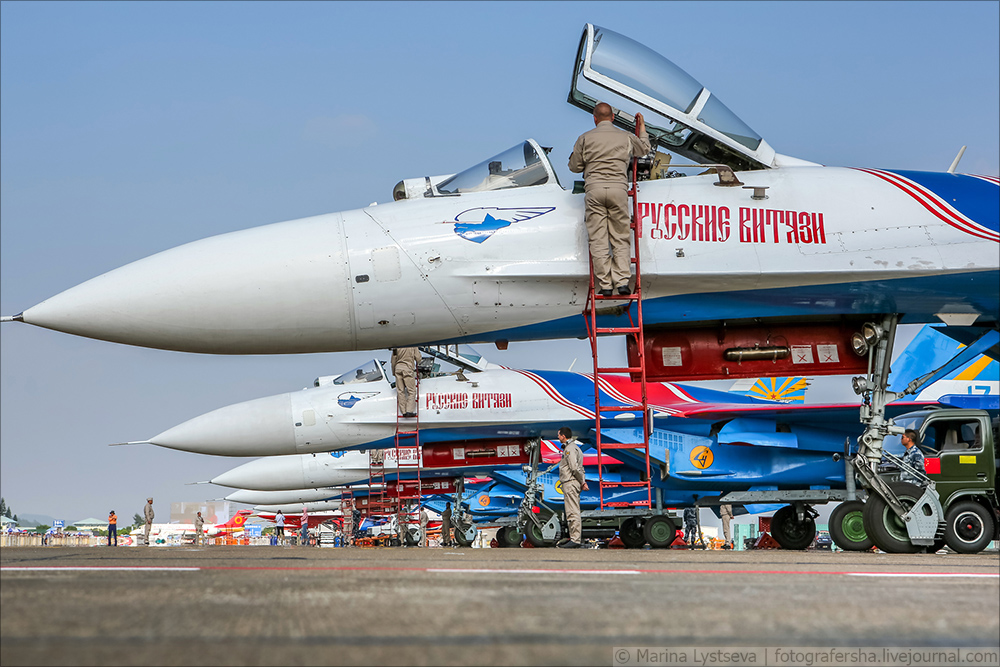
(262, 427)
(282, 497)
(270, 474)
(275, 289)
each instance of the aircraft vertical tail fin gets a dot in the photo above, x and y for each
(783, 389)
(930, 349)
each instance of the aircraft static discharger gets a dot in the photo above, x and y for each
(498, 252)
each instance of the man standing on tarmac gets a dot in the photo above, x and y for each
(572, 478)
(199, 530)
(913, 457)
(149, 515)
(446, 526)
(279, 530)
(404, 366)
(726, 514)
(113, 528)
(691, 526)
(424, 518)
(603, 155)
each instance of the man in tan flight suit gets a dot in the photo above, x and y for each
(148, 514)
(572, 480)
(726, 514)
(424, 518)
(603, 155)
(404, 366)
(199, 530)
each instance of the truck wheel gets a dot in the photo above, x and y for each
(534, 535)
(847, 527)
(885, 529)
(631, 534)
(789, 532)
(659, 531)
(502, 536)
(968, 527)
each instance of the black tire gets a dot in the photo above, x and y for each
(789, 532)
(847, 527)
(534, 535)
(968, 527)
(631, 534)
(409, 539)
(460, 537)
(509, 536)
(394, 542)
(884, 527)
(659, 531)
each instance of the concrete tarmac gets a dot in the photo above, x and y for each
(311, 606)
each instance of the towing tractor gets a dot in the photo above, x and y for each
(960, 469)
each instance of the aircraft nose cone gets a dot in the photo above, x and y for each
(276, 289)
(261, 427)
(271, 474)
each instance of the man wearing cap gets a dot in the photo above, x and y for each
(112, 528)
(573, 481)
(147, 512)
(603, 155)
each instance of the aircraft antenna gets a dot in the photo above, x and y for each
(954, 165)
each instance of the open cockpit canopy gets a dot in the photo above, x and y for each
(681, 115)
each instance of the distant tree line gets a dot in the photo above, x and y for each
(6, 511)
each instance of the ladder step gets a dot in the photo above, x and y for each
(639, 503)
(622, 445)
(629, 369)
(619, 408)
(608, 485)
(618, 330)
(615, 297)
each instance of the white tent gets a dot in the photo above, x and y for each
(89, 523)
(5, 520)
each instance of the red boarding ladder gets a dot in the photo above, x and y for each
(408, 460)
(378, 500)
(633, 329)
(347, 512)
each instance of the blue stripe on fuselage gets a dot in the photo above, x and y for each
(973, 197)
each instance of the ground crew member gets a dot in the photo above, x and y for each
(304, 537)
(404, 366)
(149, 515)
(446, 526)
(573, 481)
(113, 528)
(279, 522)
(603, 155)
(913, 457)
(690, 525)
(726, 514)
(424, 518)
(199, 530)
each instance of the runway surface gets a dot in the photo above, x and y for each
(297, 605)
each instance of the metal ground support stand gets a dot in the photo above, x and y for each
(635, 329)
(925, 519)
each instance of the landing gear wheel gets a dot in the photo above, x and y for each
(464, 536)
(394, 542)
(509, 536)
(659, 531)
(501, 536)
(534, 535)
(847, 527)
(968, 527)
(631, 534)
(410, 537)
(789, 532)
(884, 527)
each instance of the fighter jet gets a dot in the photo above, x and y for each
(497, 252)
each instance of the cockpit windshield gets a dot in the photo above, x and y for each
(517, 167)
(686, 118)
(369, 372)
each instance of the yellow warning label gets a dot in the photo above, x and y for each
(701, 457)
(966, 459)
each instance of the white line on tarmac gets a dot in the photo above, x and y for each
(922, 574)
(102, 568)
(499, 571)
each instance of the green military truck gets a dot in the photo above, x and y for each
(960, 466)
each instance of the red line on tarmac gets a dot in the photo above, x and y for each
(441, 570)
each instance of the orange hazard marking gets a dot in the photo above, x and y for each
(702, 457)
(484, 500)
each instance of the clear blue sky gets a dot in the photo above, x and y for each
(130, 128)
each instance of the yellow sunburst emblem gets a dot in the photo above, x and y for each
(787, 390)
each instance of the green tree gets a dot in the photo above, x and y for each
(42, 528)
(3, 506)
(137, 520)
